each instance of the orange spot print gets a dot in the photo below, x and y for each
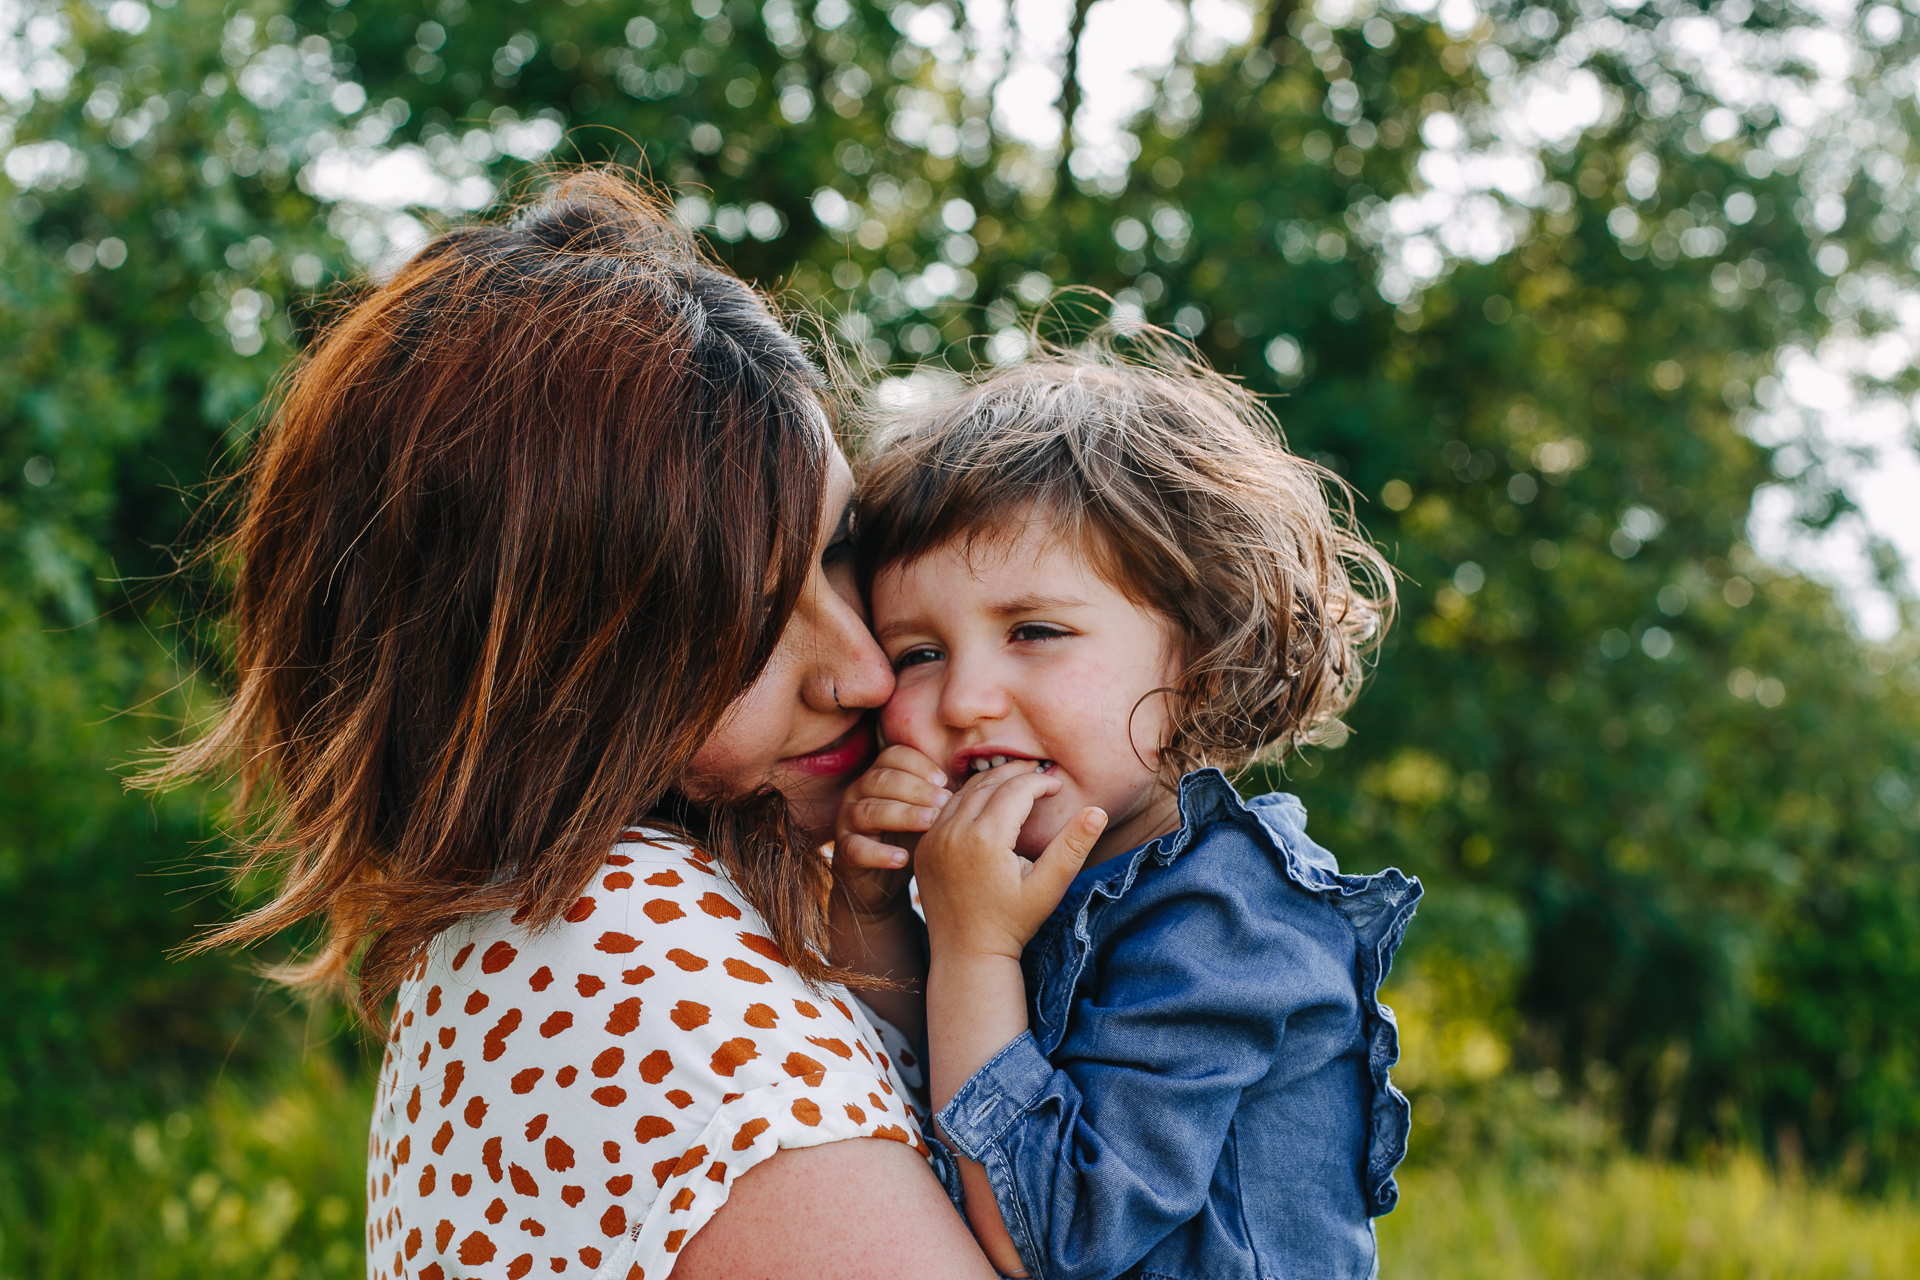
(490, 1157)
(730, 1097)
(542, 978)
(519, 1267)
(611, 1150)
(433, 1002)
(841, 1006)
(655, 1066)
(559, 1155)
(450, 1083)
(476, 1249)
(579, 911)
(533, 1227)
(833, 1046)
(664, 1170)
(461, 958)
(689, 1160)
(806, 1010)
(442, 1138)
(590, 1256)
(675, 1239)
(766, 948)
(573, 1196)
(635, 976)
(635, 1272)
(564, 1076)
(621, 859)
(589, 985)
(686, 960)
(679, 1098)
(616, 944)
(682, 1200)
(413, 1105)
(861, 1046)
(613, 1222)
(403, 1152)
(523, 1081)
(536, 1127)
(761, 1016)
(446, 1037)
(806, 1111)
(413, 1241)
(718, 907)
(718, 1173)
(665, 879)
(496, 1211)
(476, 1112)
(647, 1128)
(609, 1095)
(426, 1184)
(432, 1271)
(749, 1131)
(609, 1062)
(495, 1043)
(621, 1185)
(617, 880)
(663, 911)
(497, 957)
(476, 1002)
(799, 1064)
(625, 1016)
(557, 1021)
(442, 1234)
(523, 1181)
(462, 1183)
(732, 1055)
(425, 1049)
(687, 1015)
(895, 1132)
(878, 1105)
(855, 1114)
(745, 972)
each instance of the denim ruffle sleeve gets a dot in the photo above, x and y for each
(1378, 907)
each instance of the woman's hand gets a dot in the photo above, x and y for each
(898, 796)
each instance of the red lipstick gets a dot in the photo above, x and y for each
(850, 751)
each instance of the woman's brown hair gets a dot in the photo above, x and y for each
(1176, 484)
(521, 525)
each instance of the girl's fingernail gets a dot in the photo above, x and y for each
(928, 815)
(940, 801)
(898, 858)
(938, 779)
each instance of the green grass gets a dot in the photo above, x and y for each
(265, 1182)
(1631, 1219)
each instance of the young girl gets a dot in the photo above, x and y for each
(1155, 1047)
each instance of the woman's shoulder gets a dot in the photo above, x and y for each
(601, 1083)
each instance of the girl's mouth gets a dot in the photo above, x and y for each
(850, 751)
(980, 764)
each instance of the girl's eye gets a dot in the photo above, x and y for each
(837, 552)
(1030, 631)
(915, 657)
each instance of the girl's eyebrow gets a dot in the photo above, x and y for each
(1035, 604)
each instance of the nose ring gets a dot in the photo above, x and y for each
(836, 697)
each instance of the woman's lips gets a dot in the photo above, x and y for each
(849, 751)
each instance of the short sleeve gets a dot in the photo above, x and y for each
(591, 1092)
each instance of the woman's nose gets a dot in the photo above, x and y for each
(852, 670)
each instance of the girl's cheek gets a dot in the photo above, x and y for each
(902, 724)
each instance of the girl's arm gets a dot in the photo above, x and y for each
(984, 902)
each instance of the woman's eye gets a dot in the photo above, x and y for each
(837, 552)
(1030, 631)
(915, 657)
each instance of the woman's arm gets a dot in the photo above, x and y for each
(862, 1209)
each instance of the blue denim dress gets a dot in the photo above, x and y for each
(1203, 1090)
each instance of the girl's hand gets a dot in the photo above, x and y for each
(982, 898)
(898, 796)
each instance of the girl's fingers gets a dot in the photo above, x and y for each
(1063, 858)
(909, 761)
(863, 853)
(873, 814)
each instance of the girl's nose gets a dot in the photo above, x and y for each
(970, 695)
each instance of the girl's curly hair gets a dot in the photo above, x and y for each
(1175, 482)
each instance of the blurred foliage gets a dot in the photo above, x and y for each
(1661, 791)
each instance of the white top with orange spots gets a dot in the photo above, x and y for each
(581, 1099)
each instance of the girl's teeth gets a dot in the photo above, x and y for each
(997, 761)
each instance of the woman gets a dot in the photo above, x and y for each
(550, 678)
